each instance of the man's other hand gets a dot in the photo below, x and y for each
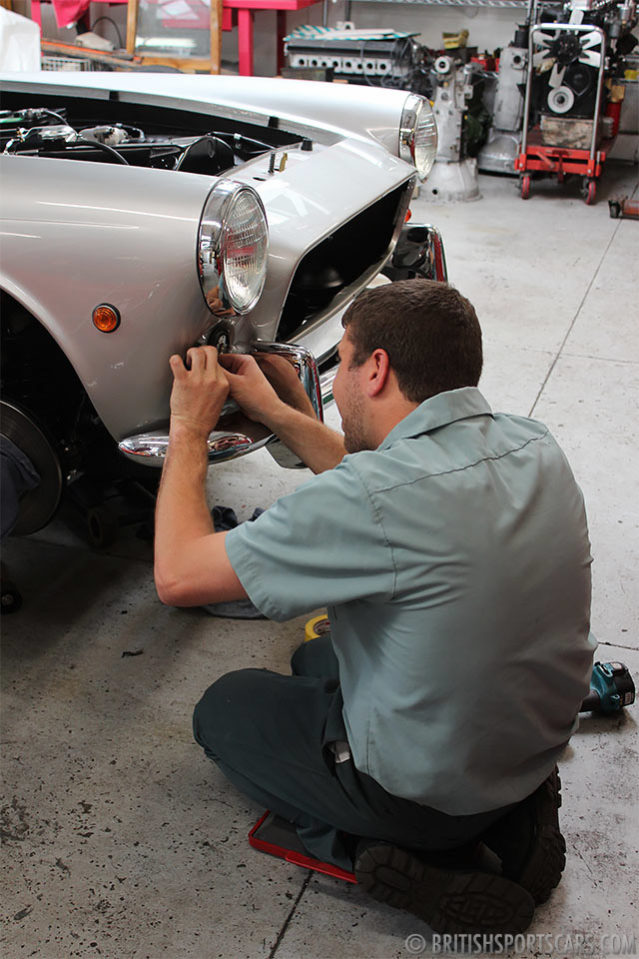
(199, 390)
(249, 387)
(284, 379)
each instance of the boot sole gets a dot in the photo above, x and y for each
(542, 872)
(449, 901)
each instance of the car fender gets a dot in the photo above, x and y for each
(148, 235)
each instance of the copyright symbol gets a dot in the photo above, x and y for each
(415, 944)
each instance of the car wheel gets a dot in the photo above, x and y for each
(38, 505)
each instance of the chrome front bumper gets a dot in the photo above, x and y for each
(241, 435)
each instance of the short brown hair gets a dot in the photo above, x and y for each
(430, 332)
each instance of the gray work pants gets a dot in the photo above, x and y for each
(272, 736)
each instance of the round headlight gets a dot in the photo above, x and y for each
(232, 248)
(418, 134)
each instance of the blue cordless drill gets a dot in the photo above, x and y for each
(611, 688)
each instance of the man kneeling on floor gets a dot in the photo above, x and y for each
(450, 546)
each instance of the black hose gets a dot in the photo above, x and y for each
(104, 148)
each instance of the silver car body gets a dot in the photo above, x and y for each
(325, 164)
(74, 236)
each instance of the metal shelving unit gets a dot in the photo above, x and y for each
(513, 4)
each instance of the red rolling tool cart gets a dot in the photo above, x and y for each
(558, 143)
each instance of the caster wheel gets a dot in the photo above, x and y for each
(102, 527)
(588, 190)
(525, 186)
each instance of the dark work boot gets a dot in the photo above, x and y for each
(450, 899)
(529, 842)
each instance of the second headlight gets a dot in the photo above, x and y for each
(232, 248)
(418, 134)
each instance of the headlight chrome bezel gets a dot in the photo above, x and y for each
(220, 292)
(418, 134)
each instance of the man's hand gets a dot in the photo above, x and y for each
(191, 564)
(296, 424)
(198, 393)
(249, 387)
(283, 377)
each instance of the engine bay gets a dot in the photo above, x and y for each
(121, 133)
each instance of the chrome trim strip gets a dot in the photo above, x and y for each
(326, 383)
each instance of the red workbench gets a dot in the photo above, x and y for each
(243, 10)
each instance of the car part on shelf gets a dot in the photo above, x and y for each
(376, 57)
(379, 55)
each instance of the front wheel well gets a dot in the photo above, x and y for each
(37, 376)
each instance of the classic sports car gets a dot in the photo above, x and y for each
(146, 213)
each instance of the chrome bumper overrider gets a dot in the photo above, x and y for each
(239, 435)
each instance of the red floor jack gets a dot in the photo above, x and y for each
(611, 690)
(538, 152)
(624, 207)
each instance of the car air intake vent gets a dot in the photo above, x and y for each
(339, 261)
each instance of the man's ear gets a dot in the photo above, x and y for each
(379, 369)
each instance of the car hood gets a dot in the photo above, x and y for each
(313, 109)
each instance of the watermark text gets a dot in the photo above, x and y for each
(568, 944)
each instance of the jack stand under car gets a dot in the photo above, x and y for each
(571, 108)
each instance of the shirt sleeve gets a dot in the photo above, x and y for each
(322, 545)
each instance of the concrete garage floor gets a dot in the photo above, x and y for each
(122, 840)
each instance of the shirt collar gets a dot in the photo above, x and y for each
(438, 411)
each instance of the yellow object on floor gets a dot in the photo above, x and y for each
(315, 627)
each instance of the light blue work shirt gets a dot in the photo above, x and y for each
(455, 564)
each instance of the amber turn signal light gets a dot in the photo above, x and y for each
(106, 318)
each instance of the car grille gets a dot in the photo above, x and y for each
(330, 269)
